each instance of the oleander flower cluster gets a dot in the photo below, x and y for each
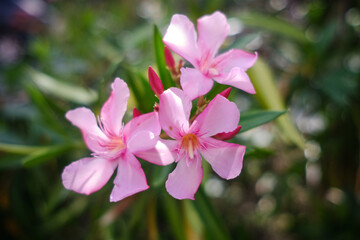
(169, 134)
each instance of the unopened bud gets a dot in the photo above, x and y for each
(228, 135)
(136, 112)
(155, 82)
(170, 62)
(226, 92)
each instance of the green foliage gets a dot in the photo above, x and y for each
(254, 119)
(307, 83)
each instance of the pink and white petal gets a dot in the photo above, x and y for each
(130, 178)
(219, 116)
(87, 175)
(234, 58)
(148, 122)
(181, 38)
(194, 83)
(113, 110)
(174, 112)
(226, 159)
(141, 141)
(85, 120)
(162, 154)
(185, 180)
(237, 78)
(213, 30)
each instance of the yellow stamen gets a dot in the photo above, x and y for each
(189, 143)
(116, 144)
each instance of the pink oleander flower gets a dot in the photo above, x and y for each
(195, 139)
(115, 146)
(227, 68)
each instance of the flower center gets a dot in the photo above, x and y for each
(213, 71)
(189, 143)
(116, 144)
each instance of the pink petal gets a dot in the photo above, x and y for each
(194, 83)
(114, 108)
(84, 119)
(226, 159)
(181, 38)
(162, 154)
(234, 58)
(87, 175)
(212, 29)
(141, 141)
(237, 78)
(174, 112)
(220, 115)
(144, 122)
(228, 135)
(185, 180)
(130, 178)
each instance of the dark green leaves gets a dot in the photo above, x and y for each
(252, 119)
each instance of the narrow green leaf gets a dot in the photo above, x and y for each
(270, 98)
(214, 225)
(160, 175)
(137, 214)
(47, 112)
(65, 215)
(252, 119)
(216, 89)
(193, 219)
(273, 24)
(18, 149)
(103, 86)
(46, 153)
(10, 162)
(164, 73)
(258, 152)
(174, 216)
(144, 101)
(66, 91)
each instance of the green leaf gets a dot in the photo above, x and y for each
(18, 149)
(164, 73)
(252, 119)
(174, 216)
(270, 98)
(214, 225)
(144, 97)
(216, 89)
(66, 91)
(65, 215)
(193, 220)
(47, 112)
(103, 86)
(10, 161)
(46, 153)
(160, 174)
(273, 24)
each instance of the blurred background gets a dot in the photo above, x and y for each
(300, 180)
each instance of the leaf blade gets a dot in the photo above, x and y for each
(249, 120)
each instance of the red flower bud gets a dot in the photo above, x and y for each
(169, 58)
(155, 82)
(228, 135)
(136, 112)
(226, 92)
